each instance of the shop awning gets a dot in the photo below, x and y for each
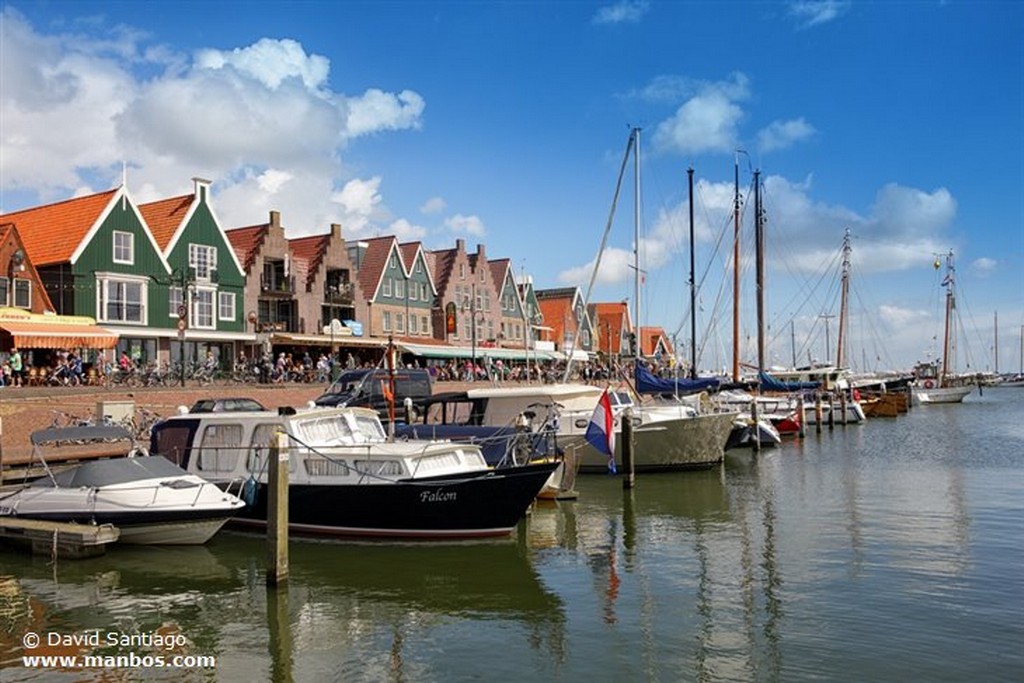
(43, 335)
(326, 340)
(466, 352)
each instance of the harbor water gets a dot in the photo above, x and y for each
(888, 551)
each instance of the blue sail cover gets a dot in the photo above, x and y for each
(647, 383)
(769, 383)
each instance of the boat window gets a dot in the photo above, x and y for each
(379, 468)
(172, 441)
(324, 431)
(439, 461)
(220, 448)
(370, 427)
(321, 467)
(259, 446)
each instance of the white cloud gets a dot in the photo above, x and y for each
(782, 134)
(707, 122)
(271, 133)
(984, 266)
(624, 11)
(815, 12)
(406, 231)
(469, 225)
(433, 205)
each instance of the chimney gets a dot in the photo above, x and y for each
(336, 230)
(275, 219)
(460, 244)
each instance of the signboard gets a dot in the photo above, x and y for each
(356, 327)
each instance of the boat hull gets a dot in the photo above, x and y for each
(668, 445)
(922, 396)
(481, 505)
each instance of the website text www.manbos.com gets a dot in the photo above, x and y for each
(128, 661)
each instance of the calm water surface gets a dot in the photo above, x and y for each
(889, 551)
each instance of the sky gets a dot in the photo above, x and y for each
(506, 124)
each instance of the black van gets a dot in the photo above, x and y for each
(365, 388)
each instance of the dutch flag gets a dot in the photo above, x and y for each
(601, 430)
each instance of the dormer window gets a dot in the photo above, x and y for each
(124, 247)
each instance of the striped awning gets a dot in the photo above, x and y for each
(44, 335)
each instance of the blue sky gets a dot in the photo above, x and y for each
(505, 124)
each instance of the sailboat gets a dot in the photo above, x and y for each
(933, 382)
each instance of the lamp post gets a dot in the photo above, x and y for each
(470, 305)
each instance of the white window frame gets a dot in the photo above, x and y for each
(5, 286)
(119, 248)
(203, 315)
(175, 297)
(106, 281)
(413, 324)
(399, 289)
(386, 320)
(386, 290)
(400, 323)
(202, 258)
(226, 309)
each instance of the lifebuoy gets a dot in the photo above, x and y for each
(928, 384)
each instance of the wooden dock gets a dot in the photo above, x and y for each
(59, 539)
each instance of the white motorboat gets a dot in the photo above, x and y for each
(149, 499)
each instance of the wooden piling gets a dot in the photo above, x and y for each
(629, 475)
(756, 427)
(277, 511)
(819, 415)
(842, 407)
(801, 416)
(831, 412)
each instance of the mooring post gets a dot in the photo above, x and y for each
(277, 511)
(801, 417)
(831, 411)
(819, 415)
(757, 426)
(627, 449)
(407, 404)
(842, 407)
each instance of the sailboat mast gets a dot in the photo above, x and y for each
(995, 322)
(736, 271)
(759, 257)
(636, 243)
(693, 287)
(843, 301)
(950, 305)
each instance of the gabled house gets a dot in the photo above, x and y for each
(270, 298)
(566, 318)
(514, 322)
(332, 295)
(205, 305)
(420, 292)
(382, 277)
(612, 329)
(97, 258)
(655, 345)
(20, 286)
(453, 276)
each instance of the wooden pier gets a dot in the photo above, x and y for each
(59, 539)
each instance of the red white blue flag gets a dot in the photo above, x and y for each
(601, 429)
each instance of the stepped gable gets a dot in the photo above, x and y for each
(443, 263)
(165, 216)
(53, 232)
(375, 258)
(247, 242)
(309, 252)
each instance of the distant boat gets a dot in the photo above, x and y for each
(933, 381)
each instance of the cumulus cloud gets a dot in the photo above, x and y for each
(624, 11)
(782, 134)
(983, 267)
(271, 132)
(468, 225)
(707, 122)
(433, 205)
(814, 12)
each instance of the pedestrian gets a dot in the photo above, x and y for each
(17, 368)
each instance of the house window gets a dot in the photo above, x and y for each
(399, 289)
(22, 293)
(462, 271)
(226, 305)
(203, 259)
(423, 324)
(387, 287)
(413, 325)
(386, 320)
(400, 320)
(419, 266)
(393, 262)
(121, 300)
(5, 291)
(174, 299)
(413, 290)
(124, 247)
(202, 308)
(423, 292)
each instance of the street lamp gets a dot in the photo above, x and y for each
(470, 305)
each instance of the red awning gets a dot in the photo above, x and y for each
(39, 335)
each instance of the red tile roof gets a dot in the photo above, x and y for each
(247, 242)
(375, 259)
(51, 233)
(557, 313)
(310, 251)
(164, 217)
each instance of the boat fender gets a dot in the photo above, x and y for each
(928, 384)
(249, 490)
